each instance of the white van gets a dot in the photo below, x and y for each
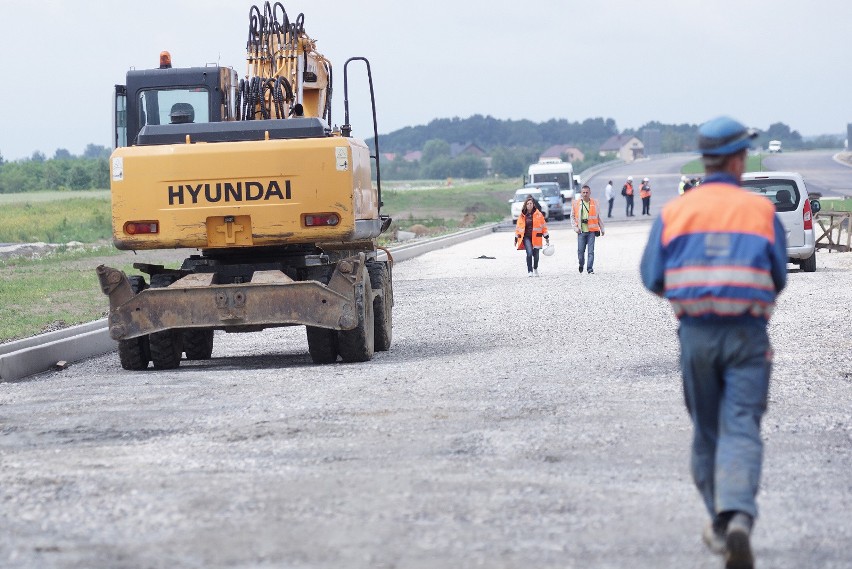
(552, 170)
(774, 146)
(787, 190)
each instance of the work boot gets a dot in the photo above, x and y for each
(581, 269)
(738, 543)
(714, 535)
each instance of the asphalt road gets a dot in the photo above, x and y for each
(514, 423)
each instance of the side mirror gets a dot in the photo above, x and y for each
(815, 206)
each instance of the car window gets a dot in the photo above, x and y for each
(783, 193)
(521, 197)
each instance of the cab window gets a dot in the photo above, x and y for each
(174, 106)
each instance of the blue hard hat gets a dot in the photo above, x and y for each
(723, 135)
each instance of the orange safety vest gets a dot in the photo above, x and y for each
(539, 230)
(629, 186)
(592, 222)
(644, 191)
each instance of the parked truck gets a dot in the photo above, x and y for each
(275, 207)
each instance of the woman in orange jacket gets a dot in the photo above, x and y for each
(529, 231)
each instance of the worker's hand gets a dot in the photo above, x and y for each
(602, 232)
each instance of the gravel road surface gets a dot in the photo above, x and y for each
(515, 423)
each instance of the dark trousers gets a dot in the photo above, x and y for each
(611, 201)
(646, 206)
(532, 254)
(629, 211)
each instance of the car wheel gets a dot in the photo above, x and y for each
(809, 264)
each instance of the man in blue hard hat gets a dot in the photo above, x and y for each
(718, 255)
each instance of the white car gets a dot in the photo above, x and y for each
(517, 203)
(787, 190)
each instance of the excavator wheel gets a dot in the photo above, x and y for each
(167, 345)
(322, 344)
(358, 344)
(198, 344)
(382, 305)
(166, 348)
(135, 353)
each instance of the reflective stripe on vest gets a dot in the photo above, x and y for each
(722, 307)
(719, 276)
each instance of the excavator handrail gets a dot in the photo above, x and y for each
(346, 129)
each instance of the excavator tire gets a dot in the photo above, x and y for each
(135, 353)
(167, 345)
(166, 348)
(358, 344)
(382, 305)
(322, 344)
(198, 344)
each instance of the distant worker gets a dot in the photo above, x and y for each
(530, 229)
(645, 194)
(681, 188)
(587, 225)
(627, 192)
(610, 198)
(720, 257)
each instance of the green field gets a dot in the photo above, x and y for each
(61, 289)
(436, 204)
(55, 220)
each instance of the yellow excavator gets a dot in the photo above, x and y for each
(277, 204)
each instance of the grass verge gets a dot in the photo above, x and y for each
(754, 164)
(57, 290)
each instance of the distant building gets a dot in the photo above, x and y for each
(457, 149)
(413, 156)
(563, 150)
(624, 147)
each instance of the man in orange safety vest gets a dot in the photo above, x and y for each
(587, 225)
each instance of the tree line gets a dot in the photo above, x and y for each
(514, 144)
(64, 171)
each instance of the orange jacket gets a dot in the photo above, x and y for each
(645, 190)
(577, 219)
(628, 187)
(539, 230)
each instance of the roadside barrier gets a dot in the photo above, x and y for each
(833, 225)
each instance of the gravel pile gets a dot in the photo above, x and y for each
(515, 422)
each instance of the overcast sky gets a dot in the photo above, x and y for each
(635, 61)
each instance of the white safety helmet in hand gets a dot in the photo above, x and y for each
(549, 250)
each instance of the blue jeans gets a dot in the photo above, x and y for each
(726, 368)
(583, 240)
(532, 254)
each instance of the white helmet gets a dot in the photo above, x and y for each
(629, 178)
(644, 179)
(549, 250)
(684, 179)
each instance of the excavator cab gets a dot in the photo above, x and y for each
(172, 96)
